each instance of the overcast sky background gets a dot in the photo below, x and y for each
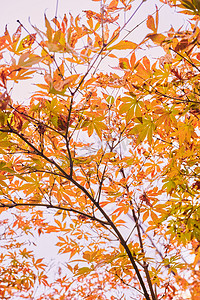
(33, 11)
(12, 10)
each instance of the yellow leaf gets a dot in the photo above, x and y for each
(49, 31)
(151, 24)
(61, 84)
(83, 270)
(124, 63)
(154, 216)
(156, 38)
(145, 216)
(123, 45)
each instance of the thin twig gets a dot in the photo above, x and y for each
(133, 14)
(51, 56)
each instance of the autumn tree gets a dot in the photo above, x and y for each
(105, 159)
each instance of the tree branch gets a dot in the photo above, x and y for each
(15, 204)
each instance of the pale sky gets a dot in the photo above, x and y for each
(12, 10)
(34, 10)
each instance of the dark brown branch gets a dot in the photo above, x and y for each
(187, 60)
(35, 121)
(156, 248)
(68, 138)
(107, 218)
(125, 283)
(145, 265)
(159, 93)
(15, 204)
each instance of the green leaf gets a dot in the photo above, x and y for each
(188, 4)
(83, 270)
(2, 164)
(131, 106)
(110, 99)
(124, 63)
(27, 60)
(143, 130)
(26, 42)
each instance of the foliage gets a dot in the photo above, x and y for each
(106, 162)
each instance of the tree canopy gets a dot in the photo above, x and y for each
(103, 156)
